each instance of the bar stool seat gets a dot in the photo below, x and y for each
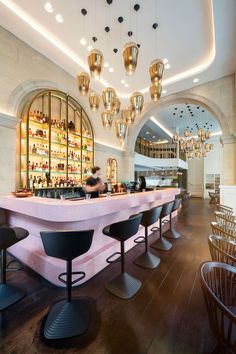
(162, 243)
(69, 317)
(9, 295)
(148, 259)
(172, 233)
(124, 285)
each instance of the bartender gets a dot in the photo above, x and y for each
(94, 183)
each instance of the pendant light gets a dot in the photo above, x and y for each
(94, 101)
(121, 129)
(128, 115)
(130, 57)
(211, 147)
(116, 107)
(187, 133)
(155, 91)
(83, 81)
(108, 97)
(95, 63)
(175, 138)
(136, 101)
(107, 118)
(207, 134)
(156, 69)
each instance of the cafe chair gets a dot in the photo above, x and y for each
(222, 249)
(147, 259)
(124, 285)
(172, 233)
(69, 317)
(224, 209)
(217, 282)
(226, 221)
(9, 295)
(162, 243)
(222, 231)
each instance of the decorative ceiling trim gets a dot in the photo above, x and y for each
(8, 121)
(210, 56)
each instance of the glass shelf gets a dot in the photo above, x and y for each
(57, 143)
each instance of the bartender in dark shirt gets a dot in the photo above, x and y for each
(94, 183)
(142, 183)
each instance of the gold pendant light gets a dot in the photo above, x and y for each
(156, 69)
(121, 129)
(130, 57)
(94, 101)
(136, 101)
(211, 147)
(95, 63)
(155, 91)
(116, 107)
(175, 137)
(187, 133)
(108, 97)
(207, 134)
(107, 118)
(207, 147)
(200, 132)
(83, 81)
(128, 115)
(197, 145)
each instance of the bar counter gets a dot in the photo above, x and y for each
(40, 214)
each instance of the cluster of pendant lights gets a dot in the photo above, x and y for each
(192, 146)
(112, 104)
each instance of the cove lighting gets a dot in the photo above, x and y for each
(195, 80)
(154, 120)
(106, 65)
(59, 18)
(48, 7)
(83, 41)
(111, 146)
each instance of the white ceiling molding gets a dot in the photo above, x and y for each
(8, 121)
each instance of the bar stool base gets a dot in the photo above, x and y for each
(147, 260)
(9, 295)
(162, 244)
(67, 319)
(124, 286)
(172, 233)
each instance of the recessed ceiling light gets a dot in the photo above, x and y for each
(147, 132)
(165, 61)
(59, 18)
(126, 85)
(83, 41)
(164, 91)
(90, 47)
(167, 66)
(123, 81)
(106, 65)
(111, 70)
(48, 7)
(195, 80)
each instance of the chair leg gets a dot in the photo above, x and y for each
(9, 295)
(124, 285)
(162, 244)
(147, 259)
(171, 233)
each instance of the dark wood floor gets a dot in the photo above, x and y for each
(167, 316)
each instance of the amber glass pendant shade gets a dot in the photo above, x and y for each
(95, 63)
(155, 91)
(108, 97)
(107, 118)
(130, 57)
(156, 69)
(94, 101)
(136, 102)
(83, 81)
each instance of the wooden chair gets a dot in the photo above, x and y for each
(217, 281)
(217, 229)
(226, 221)
(224, 209)
(222, 249)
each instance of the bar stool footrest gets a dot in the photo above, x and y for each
(147, 260)
(115, 260)
(16, 269)
(64, 281)
(139, 239)
(155, 228)
(124, 286)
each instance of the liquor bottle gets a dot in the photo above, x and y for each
(34, 183)
(29, 166)
(34, 149)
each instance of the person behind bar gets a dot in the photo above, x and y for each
(94, 183)
(142, 183)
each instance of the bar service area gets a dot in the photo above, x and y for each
(117, 177)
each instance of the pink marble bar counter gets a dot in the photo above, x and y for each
(38, 214)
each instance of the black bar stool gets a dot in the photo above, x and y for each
(124, 285)
(147, 259)
(172, 233)
(69, 317)
(9, 295)
(163, 244)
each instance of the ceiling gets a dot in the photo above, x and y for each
(196, 36)
(178, 118)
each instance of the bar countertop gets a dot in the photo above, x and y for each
(78, 210)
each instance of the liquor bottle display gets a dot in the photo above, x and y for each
(56, 142)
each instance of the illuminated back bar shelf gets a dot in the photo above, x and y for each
(56, 142)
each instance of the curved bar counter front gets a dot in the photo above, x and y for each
(39, 214)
